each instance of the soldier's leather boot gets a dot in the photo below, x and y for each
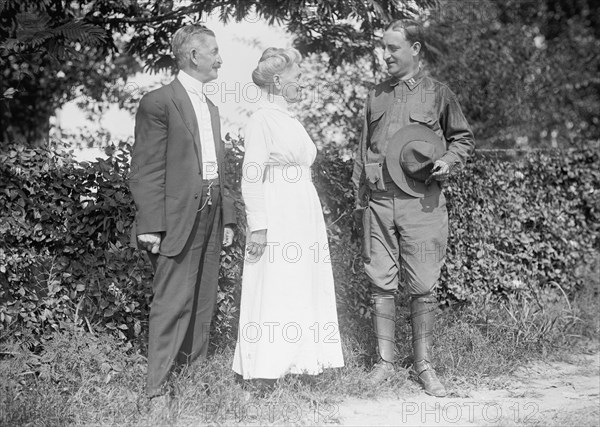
(422, 314)
(384, 325)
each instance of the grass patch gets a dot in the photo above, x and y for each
(492, 336)
(81, 379)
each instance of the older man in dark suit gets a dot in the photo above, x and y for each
(184, 214)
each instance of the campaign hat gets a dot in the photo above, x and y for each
(410, 156)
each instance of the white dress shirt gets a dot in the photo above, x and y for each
(195, 90)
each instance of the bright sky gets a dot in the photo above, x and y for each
(240, 44)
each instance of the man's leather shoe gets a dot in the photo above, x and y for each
(382, 371)
(425, 375)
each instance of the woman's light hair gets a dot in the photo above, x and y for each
(183, 37)
(274, 61)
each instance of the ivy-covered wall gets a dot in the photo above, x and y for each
(516, 221)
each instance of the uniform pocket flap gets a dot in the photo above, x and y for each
(422, 118)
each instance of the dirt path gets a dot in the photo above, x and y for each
(539, 394)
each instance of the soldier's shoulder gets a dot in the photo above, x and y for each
(439, 86)
(385, 85)
(382, 88)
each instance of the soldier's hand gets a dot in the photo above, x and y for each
(150, 242)
(440, 171)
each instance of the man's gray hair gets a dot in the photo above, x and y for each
(183, 37)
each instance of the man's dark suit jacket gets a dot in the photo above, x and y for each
(166, 167)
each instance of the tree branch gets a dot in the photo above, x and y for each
(158, 18)
(185, 10)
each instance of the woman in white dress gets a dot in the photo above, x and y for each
(288, 316)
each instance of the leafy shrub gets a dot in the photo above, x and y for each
(528, 220)
(518, 221)
(64, 252)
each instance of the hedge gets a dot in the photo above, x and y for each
(528, 219)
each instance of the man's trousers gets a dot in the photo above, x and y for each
(408, 241)
(185, 293)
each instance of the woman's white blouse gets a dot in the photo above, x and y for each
(277, 146)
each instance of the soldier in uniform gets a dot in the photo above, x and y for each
(414, 135)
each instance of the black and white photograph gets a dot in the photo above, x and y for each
(299, 213)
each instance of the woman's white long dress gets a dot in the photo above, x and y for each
(288, 317)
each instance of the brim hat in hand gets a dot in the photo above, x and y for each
(410, 156)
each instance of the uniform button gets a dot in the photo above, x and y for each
(195, 196)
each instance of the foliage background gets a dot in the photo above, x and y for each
(522, 268)
(518, 222)
(526, 71)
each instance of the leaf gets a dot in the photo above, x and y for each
(81, 32)
(137, 327)
(9, 93)
(30, 23)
